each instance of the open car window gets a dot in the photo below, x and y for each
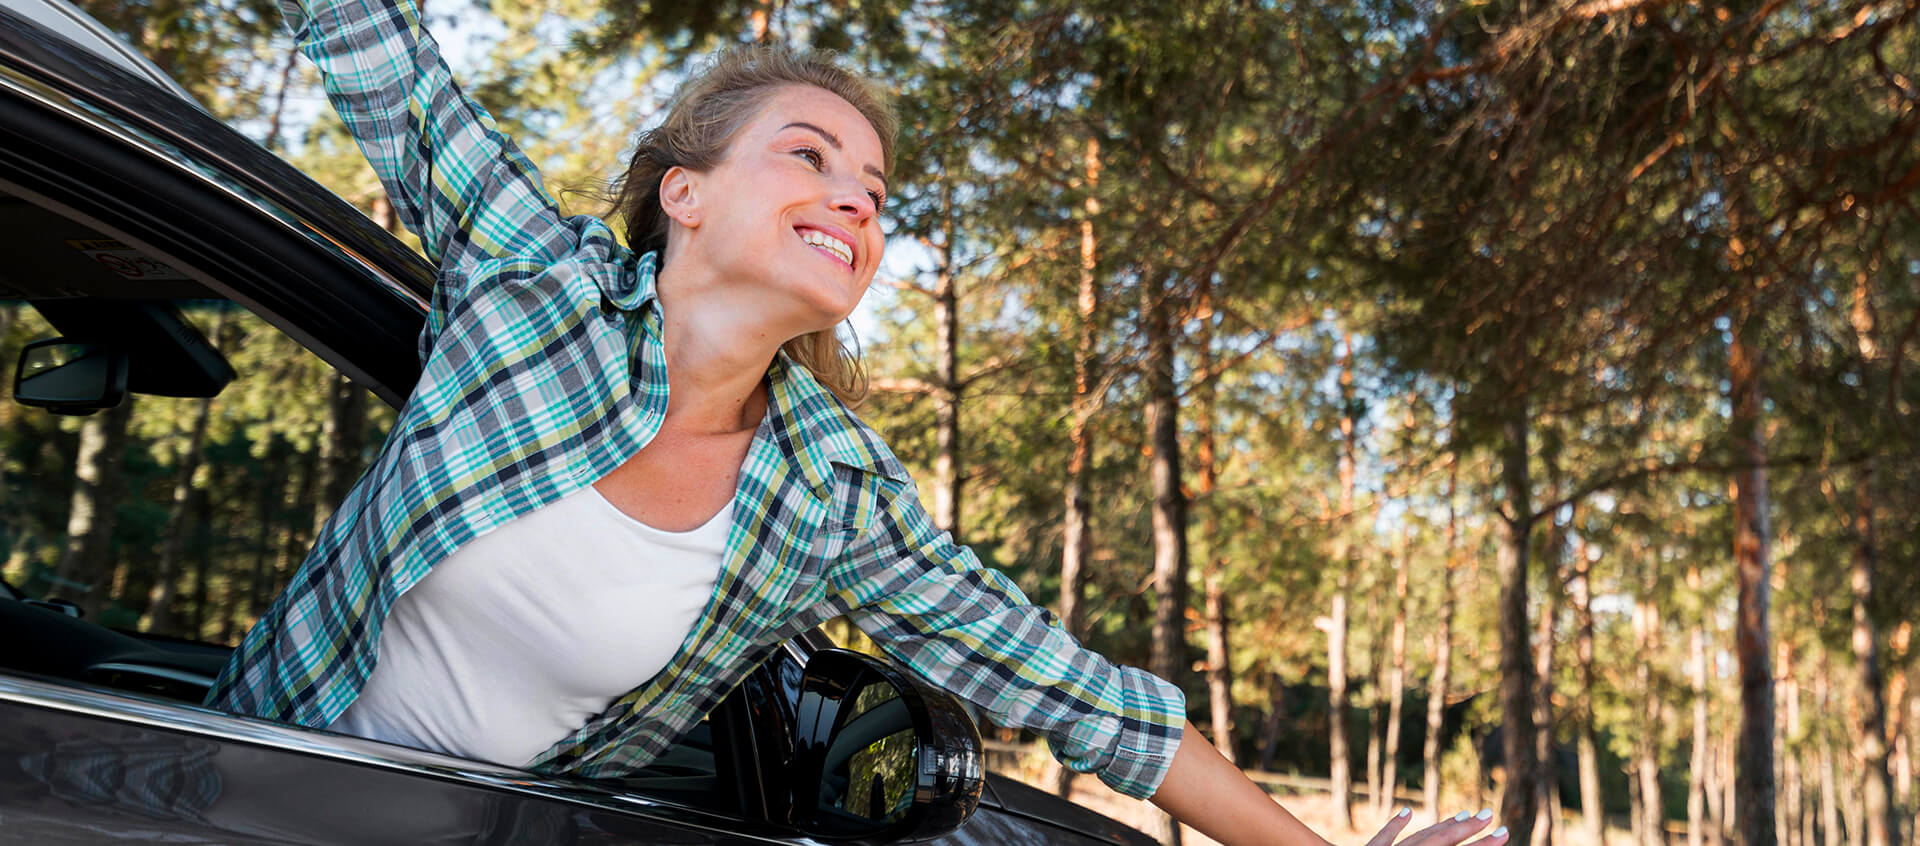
(144, 540)
(178, 518)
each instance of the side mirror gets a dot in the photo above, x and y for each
(880, 755)
(70, 377)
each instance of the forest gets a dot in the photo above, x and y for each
(1497, 402)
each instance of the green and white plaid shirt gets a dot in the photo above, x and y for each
(544, 371)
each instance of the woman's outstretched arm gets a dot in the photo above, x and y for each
(465, 189)
(1205, 790)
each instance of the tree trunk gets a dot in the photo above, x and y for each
(947, 478)
(202, 509)
(1907, 781)
(1276, 716)
(1753, 565)
(295, 542)
(1207, 480)
(159, 616)
(1636, 816)
(1396, 674)
(1442, 657)
(1376, 715)
(275, 116)
(233, 592)
(1169, 502)
(1580, 594)
(1646, 747)
(1339, 758)
(1076, 542)
(268, 497)
(1219, 666)
(1702, 828)
(1516, 653)
(1899, 711)
(1830, 831)
(87, 560)
(1793, 811)
(1548, 781)
(1878, 823)
(342, 435)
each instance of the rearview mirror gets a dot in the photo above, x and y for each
(70, 377)
(880, 755)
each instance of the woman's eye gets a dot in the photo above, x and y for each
(812, 156)
(879, 201)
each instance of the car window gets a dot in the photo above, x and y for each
(166, 525)
(178, 517)
(139, 543)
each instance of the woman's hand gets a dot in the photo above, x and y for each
(1447, 832)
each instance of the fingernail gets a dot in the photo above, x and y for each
(1462, 816)
(1402, 814)
(1485, 814)
(1500, 832)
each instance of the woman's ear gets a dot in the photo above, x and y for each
(679, 191)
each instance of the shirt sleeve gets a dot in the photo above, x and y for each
(968, 629)
(465, 189)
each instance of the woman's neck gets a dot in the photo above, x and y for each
(717, 360)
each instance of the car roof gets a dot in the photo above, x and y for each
(66, 20)
(90, 134)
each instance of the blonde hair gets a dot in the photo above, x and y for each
(707, 111)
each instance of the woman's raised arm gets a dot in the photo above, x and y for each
(466, 190)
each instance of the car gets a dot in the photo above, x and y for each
(158, 262)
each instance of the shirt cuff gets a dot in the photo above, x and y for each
(1152, 719)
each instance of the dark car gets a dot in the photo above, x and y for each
(138, 236)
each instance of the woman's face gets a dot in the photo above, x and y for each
(789, 220)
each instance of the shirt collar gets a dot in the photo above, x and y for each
(631, 291)
(815, 429)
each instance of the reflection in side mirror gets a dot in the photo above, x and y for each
(868, 773)
(70, 377)
(880, 755)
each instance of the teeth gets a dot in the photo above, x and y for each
(834, 245)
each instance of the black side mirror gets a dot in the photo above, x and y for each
(879, 755)
(70, 377)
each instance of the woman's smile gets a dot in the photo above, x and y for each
(833, 242)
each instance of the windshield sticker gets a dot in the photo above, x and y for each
(125, 261)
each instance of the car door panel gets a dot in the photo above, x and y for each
(116, 770)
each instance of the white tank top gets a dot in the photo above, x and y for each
(523, 634)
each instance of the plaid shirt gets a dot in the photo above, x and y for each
(544, 370)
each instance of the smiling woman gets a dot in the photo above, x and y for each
(549, 564)
(549, 358)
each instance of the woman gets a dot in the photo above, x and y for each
(549, 564)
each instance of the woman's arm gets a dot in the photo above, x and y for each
(1205, 790)
(968, 629)
(465, 189)
(930, 603)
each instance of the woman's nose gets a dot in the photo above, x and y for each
(854, 202)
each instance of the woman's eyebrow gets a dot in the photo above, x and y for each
(834, 140)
